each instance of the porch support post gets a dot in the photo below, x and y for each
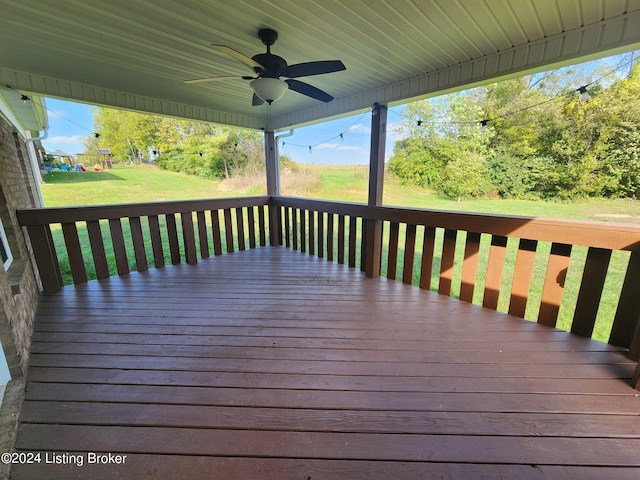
(273, 186)
(373, 239)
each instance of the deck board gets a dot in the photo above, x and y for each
(268, 363)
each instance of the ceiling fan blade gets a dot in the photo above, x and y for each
(216, 79)
(309, 90)
(313, 68)
(241, 57)
(256, 101)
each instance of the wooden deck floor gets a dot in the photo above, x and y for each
(269, 364)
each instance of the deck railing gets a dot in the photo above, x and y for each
(485, 259)
(480, 258)
(99, 241)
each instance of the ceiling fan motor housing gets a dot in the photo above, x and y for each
(273, 64)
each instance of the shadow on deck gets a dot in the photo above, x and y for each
(272, 364)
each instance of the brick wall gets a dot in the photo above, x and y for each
(19, 289)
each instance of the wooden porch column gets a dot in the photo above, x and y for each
(273, 186)
(373, 240)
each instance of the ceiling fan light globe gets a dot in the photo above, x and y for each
(269, 89)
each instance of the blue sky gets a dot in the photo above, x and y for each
(70, 123)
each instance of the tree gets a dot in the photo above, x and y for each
(466, 176)
(126, 134)
(202, 149)
(541, 141)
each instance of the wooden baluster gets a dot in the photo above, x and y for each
(312, 232)
(627, 319)
(46, 258)
(409, 254)
(135, 227)
(554, 284)
(593, 278)
(303, 230)
(287, 227)
(119, 249)
(215, 232)
(156, 241)
(392, 255)
(330, 240)
(448, 259)
(363, 245)
(635, 381)
(493, 282)
(172, 236)
(228, 230)
(97, 249)
(426, 263)
(522, 277)
(203, 235)
(74, 253)
(634, 348)
(189, 238)
(251, 220)
(295, 228)
(240, 228)
(340, 238)
(470, 266)
(261, 226)
(321, 234)
(353, 232)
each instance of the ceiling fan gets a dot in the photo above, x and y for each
(268, 69)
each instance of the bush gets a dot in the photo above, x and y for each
(215, 156)
(466, 176)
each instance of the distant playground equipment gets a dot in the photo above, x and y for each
(66, 162)
(101, 160)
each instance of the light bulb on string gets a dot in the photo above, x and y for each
(583, 93)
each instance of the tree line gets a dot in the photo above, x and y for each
(202, 149)
(529, 137)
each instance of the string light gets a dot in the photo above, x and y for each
(584, 94)
(26, 99)
(339, 135)
(582, 91)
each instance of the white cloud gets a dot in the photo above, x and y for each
(327, 146)
(70, 143)
(353, 148)
(359, 128)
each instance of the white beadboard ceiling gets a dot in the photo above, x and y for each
(135, 54)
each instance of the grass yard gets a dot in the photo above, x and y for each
(146, 183)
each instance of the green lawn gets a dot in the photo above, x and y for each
(145, 183)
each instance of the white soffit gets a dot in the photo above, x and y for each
(136, 54)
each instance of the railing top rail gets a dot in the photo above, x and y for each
(42, 216)
(614, 236)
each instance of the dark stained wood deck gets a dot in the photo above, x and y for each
(271, 364)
